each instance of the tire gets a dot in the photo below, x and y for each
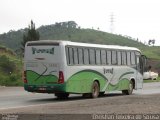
(62, 95)
(130, 90)
(95, 90)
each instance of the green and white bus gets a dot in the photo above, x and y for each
(65, 67)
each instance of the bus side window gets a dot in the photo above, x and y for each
(109, 57)
(86, 56)
(133, 58)
(119, 58)
(114, 57)
(92, 56)
(124, 58)
(98, 58)
(67, 55)
(80, 56)
(103, 57)
(75, 56)
(71, 56)
(128, 58)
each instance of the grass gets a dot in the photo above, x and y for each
(151, 52)
(10, 68)
(148, 81)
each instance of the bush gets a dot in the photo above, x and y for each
(10, 75)
(11, 80)
(6, 65)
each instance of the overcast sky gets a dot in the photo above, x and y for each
(136, 18)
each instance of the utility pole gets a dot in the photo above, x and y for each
(112, 23)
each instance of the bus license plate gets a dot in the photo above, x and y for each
(42, 89)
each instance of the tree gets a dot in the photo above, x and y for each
(72, 24)
(32, 35)
(151, 42)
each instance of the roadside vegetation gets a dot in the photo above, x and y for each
(148, 81)
(10, 68)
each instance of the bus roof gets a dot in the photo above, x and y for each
(65, 42)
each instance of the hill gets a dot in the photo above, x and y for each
(68, 31)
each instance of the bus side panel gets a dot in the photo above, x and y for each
(82, 81)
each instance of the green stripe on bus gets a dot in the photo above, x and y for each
(121, 85)
(82, 81)
(125, 74)
(37, 79)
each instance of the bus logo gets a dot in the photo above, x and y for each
(36, 51)
(108, 71)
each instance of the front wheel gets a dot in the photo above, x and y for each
(130, 90)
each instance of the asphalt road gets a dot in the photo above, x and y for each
(16, 97)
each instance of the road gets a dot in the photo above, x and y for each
(16, 100)
(14, 97)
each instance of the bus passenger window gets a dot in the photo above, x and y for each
(98, 58)
(109, 57)
(133, 58)
(92, 56)
(114, 58)
(128, 58)
(75, 56)
(124, 58)
(86, 57)
(80, 56)
(103, 57)
(70, 56)
(119, 58)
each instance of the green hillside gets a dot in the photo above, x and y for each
(71, 31)
(68, 31)
(152, 52)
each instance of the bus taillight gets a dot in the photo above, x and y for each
(61, 77)
(24, 77)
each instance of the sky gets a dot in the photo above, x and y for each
(135, 18)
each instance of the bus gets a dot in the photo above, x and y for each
(65, 67)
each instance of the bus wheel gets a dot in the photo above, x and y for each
(62, 95)
(130, 90)
(95, 90)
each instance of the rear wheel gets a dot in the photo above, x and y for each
(130, 90)
(62, 95)
(95, 90)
